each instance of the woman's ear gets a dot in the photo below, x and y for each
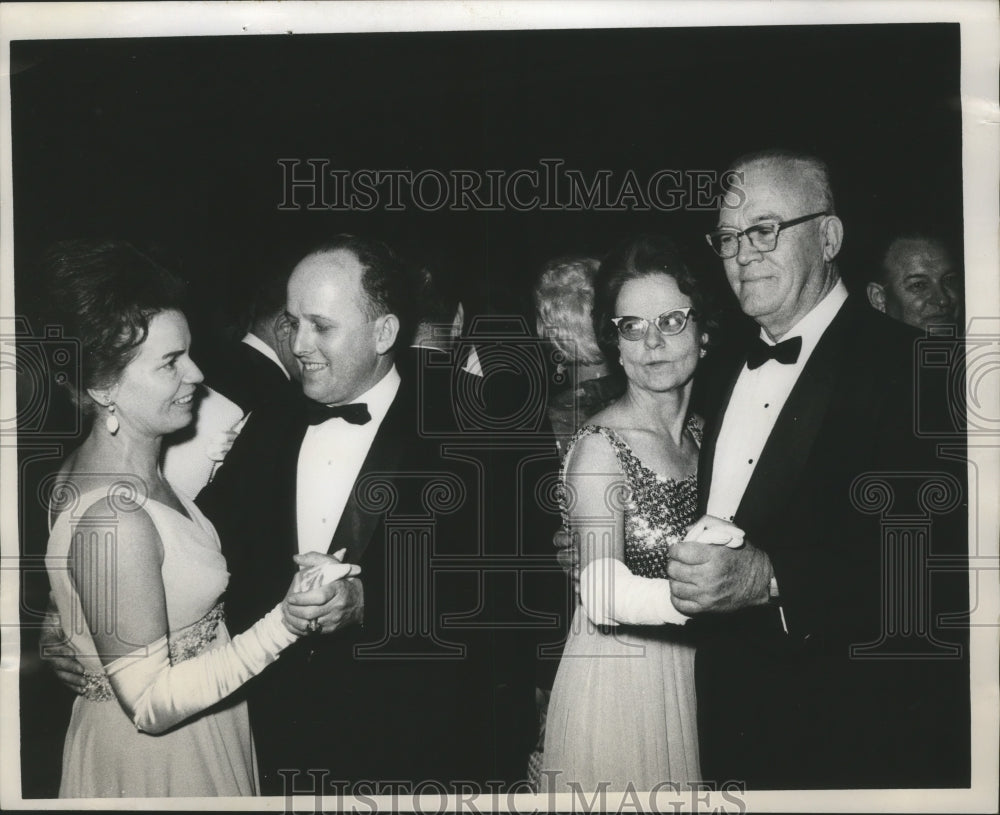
(103, 396)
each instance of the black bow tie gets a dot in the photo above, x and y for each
(787, 352)
(354, 413)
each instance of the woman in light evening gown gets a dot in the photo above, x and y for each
(622, 710)
(135, 569)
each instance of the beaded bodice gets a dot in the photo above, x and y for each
(657, 510)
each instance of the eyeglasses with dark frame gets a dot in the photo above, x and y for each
(763, 236)
(668, 324)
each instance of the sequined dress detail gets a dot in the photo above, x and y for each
(104, 755)
(623, 703)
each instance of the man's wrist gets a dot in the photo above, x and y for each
(766, 581)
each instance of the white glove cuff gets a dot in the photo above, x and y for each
(611, 594)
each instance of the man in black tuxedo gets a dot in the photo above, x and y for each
(824, 661)
(240, 377)
(383, 689)
(260, 368)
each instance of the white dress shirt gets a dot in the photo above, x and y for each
(329, 462)
(758, 397)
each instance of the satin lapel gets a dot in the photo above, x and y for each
(289, 463)
(357, 525)
(711, 437)
(787, 449)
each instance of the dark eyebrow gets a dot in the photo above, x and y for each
(768, 216)
(170, 356)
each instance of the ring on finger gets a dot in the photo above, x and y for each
(313, 626)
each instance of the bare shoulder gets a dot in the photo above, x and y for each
(125, 529)
(592, 455)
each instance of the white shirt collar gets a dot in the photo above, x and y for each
(258, 344)
(472, 364)
(813, 324)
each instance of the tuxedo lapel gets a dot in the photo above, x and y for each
(288, 505)
(711, 437)
(358, 524)
(786, 452)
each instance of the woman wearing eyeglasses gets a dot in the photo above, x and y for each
(623, 704)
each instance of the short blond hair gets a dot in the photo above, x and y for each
(564, 300)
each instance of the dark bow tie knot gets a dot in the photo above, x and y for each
(787, 352)
(354, 413)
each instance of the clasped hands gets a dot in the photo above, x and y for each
(325, 595)
(727, 575)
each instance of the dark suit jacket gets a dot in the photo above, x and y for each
(414, 694)
(842, 478)
(244, 375)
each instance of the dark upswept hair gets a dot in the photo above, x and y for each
(637, 258)
(388, 283)
(103, 294)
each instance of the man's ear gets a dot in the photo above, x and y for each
(386, 331)
(876, 296)
(833, 237)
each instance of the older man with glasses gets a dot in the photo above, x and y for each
(822, 658)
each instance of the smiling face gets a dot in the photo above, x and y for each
(154, 394)
(780, 287)
(341, 351)
(657, 363)
(921, 286)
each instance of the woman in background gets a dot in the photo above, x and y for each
(564, 299)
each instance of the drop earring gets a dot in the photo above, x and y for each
(702, 352)
(111, 422)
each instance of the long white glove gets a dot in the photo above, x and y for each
(611, 594)
(158, 695)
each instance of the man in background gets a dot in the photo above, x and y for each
(918, 283)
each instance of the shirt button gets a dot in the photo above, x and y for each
(750, 461)
(767, 404)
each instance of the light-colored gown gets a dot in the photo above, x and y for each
(623, 703)
(104, 755)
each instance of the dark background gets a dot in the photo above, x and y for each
(174, 143)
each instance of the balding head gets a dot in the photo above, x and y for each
(777, 288)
